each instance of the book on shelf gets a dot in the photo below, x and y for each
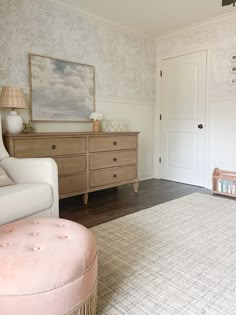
(226, 186)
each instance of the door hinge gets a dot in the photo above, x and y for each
(160, 117)
(161, 73)
(160, 160)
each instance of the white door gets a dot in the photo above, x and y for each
(183, 118)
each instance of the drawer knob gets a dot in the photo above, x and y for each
(114, 175)
(115, 159)
(114, 143)
(54, 147)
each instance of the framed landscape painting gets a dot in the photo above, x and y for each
(61, 90)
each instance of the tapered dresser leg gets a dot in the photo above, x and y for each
(85, 199)
(136, 187)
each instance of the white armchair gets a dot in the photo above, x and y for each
(35, 192)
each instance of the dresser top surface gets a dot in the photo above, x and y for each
(69, 134)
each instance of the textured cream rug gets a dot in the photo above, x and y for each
(175, 258)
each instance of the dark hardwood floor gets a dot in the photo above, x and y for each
(109, 204)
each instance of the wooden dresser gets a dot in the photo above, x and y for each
(86, 161)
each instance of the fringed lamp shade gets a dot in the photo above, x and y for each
(12, 97)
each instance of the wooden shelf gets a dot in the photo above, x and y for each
(224, 183)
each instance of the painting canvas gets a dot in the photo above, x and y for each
(61, 90)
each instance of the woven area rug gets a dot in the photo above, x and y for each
(175, 258)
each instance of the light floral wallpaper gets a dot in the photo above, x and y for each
(124, 61)
(124, 64)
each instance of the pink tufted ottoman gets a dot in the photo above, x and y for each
(48, 266)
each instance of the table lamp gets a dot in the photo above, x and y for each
(13, 97)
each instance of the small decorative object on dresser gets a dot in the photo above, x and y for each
(111, 125)
(28, 127)
(86, 161)
(96, 117)
(13, 97)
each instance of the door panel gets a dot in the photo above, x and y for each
(183, 109)
(185, 145)
(183, 93)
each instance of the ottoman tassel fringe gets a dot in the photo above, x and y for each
(88, 306)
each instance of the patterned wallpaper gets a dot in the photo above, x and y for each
(220, 37)
(124, 61)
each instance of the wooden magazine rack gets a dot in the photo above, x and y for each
(224, 182)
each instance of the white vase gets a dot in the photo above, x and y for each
(13, 122)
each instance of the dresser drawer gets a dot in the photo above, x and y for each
(73, 183)
(110, 143)
(71, 164)
(48, 147)
(111, 159)
(112, 175)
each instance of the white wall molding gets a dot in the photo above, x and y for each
(183, 52)
(70, 7)
(131, 101)
(221, 99)
(111, 99)
(145, 175)
(210, 24)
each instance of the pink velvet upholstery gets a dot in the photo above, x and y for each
(47, 266)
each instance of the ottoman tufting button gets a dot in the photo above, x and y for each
(61, 225)
(36, 222)
(35, 233)
(5, 245)
(35, 249)
(63, 237)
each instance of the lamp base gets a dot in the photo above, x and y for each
(13, 122)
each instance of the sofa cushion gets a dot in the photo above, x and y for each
(22, 200)
(4, 179)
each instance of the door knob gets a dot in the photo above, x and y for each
(200, 126)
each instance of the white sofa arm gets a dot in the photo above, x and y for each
(34, 170)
